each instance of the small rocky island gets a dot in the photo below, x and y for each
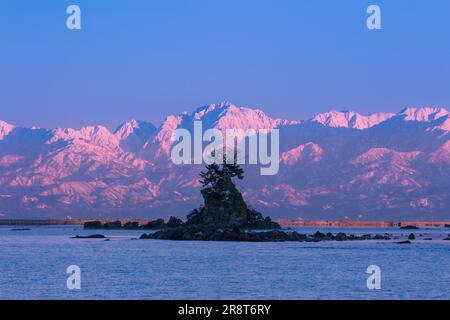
(226, 217)
(133, 225)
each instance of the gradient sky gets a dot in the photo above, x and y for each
(147, 59)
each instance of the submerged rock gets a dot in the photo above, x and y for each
(92, 236)
(381, 237)
(409, 227)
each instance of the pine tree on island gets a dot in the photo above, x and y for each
(224, 206)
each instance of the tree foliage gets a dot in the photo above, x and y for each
(215, 173)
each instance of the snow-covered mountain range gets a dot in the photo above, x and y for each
(336, 165)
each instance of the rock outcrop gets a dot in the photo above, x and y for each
(409, 227)
(224, 205)
(208, 233)
(134, 225)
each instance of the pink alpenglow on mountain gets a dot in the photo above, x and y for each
(349, 119)
(5, 129)
(382, 166)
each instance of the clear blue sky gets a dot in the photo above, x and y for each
(146, 59)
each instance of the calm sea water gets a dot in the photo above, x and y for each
(33, 266)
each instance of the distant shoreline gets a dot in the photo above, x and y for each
(283, 223)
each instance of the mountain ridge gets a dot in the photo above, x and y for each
(336, 164)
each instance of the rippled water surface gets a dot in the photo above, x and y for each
(33, 266)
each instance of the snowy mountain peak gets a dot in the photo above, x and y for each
(134, 134)
(226, 115)
(126, 128)
(97, 135)
(133, 126)
(88, 132)
(426, 114)
(5, 129)
(213, 112)
(160, 143)
(199, 113)
(309, 151)
(350, 119)
(221, 116)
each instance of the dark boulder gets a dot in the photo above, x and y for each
(352, 237)
(329, 236)
(131, 225)
(340, 236)
(155, 224)
(319, 235)
(92, 236)
(187, 236)
(174, 222)
(113, 225)
(409, 227)
(412, 237)
(295, 236)
(93, 225)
